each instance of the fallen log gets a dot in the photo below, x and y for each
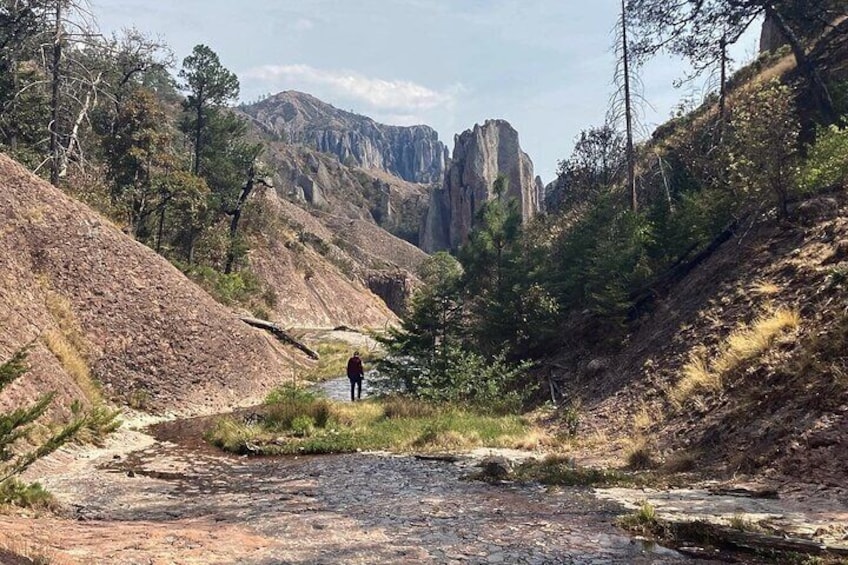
(280, 334)
(750, 540)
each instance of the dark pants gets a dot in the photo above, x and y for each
(355, 386)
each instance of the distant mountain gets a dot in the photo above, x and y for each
(412, 153)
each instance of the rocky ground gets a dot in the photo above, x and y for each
(172, 499)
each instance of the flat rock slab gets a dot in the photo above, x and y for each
(824, 521)
(170, 503)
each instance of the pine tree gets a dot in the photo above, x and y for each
(16, 425)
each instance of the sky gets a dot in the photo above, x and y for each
(546, 66)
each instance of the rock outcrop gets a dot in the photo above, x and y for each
(771, 38)
(394, 288)
(412, 153)
(479, 156)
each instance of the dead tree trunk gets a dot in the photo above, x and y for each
(628, 112)
(55, 98)
(818, 87)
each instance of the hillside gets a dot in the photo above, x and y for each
(780, 414)
(319, 269)
(318, 181)
(94, 303)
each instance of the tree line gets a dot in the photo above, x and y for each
(104, 118)
(626, 219)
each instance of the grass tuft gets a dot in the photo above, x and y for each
(742, 345)
(697, 377)
(644, 520)
(765, 288)
(748, 342)
(640, 455)
(740, 523)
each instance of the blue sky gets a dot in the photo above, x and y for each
(546, 66)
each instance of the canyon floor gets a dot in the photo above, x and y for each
(159, 495)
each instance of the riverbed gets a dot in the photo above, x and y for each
(162, 495)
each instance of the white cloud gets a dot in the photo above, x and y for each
(303, 24)
(400, 97)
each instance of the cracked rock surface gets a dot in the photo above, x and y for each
(143, 500)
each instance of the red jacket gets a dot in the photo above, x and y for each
(354, 368)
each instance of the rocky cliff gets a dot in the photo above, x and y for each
(771, 38)
(320, 183)
(412, 153)
(479, 156)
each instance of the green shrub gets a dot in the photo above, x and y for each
(287, 405)
(100, 421)
(16, 425)
(763, 134)
(570, 418)
(827, 162)
(599, 261)
(458, 377)
(14, 492)
(302, 426)
(242, 288)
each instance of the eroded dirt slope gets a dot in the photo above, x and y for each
(146, 333)
(782, 415)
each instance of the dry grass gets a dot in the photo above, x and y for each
(532, 439)
(748, 342)
(348, 414)
(765, 288)
(68, 344)
(646, 417)
(435, 439)
(403, 407)
(74, 364)
(743, 344)
(63, 314)
(640, 454)
(697, 377)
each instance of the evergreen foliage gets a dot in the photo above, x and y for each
(16, 426)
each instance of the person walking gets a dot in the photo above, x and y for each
(355, 373)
